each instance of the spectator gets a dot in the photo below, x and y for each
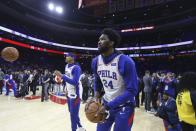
(147, 89)
(186, 101)
(1, 81)
(45, 86)
(167, 111)
(85, 85)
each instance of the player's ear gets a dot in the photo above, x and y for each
(112, 43)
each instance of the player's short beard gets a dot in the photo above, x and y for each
(103, 49)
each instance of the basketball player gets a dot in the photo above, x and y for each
(10, 83)
(71, 77)
(115, 73)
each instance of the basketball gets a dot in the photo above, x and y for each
(91, 109)
(10, 54)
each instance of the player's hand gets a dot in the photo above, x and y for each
(57, 73)
(97, 97)
(102, 110)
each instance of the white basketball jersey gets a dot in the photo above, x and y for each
(111, 79)
(71, 89)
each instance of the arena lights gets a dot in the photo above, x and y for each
(138, 29)
(53, 7)
(94, 49)
(59, 9)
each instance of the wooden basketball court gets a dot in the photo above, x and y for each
(34, 115)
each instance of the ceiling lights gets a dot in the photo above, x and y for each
(55, 8)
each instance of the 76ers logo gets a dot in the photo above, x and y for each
(107, 76)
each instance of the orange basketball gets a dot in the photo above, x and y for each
(91, 111)
(10, 54)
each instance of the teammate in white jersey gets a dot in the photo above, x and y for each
(115, 74)
(71, 77)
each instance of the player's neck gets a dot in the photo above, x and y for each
(108, 53)
(70, 62)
